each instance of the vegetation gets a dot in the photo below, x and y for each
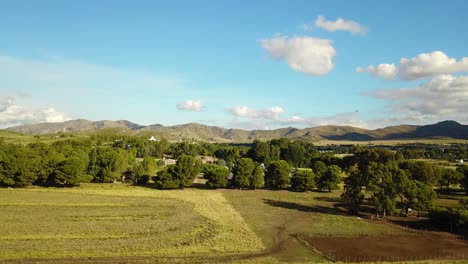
(216, 176)
(330, 179)
(376, 180)
(243, 173)
(179, 175)
(378, 172)
(119, 221)
(303, 180)
(463, 170)
(277, 176)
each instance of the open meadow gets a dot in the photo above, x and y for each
(116, 222)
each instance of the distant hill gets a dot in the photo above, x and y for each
(445, 129)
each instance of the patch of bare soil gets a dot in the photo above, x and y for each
(420, 246)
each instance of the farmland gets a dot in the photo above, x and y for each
(111, 221)
(108, 222)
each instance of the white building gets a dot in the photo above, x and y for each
(169, 161)
(152, 138)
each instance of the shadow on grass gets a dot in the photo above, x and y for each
(418, 224)
(329, 199)
(305, 208)
(194, 186)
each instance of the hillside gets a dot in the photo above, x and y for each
(445, 129)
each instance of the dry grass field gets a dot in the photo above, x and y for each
(107, 223)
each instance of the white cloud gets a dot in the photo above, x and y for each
(422, 66)
(271, 118)
(12, 114)
(443, 97)
(384, 71)
(429, 64)
(308, 55)
(340, 24)
(190, 105)
(246, 112)
(295, 120)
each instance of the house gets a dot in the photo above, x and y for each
(152, 138)
(169, 161)
(207, 159)
(460, 161)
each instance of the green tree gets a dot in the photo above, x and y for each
(49, 158)
(260, 152)
(353, 196)
(464, 181)
(330, 179)
(186, 170)
(229, 154)
(180, 175)
(149, 165)
(418, 196)
(422, 171)
(383, 185)
(258, 178)
(140, 175)
(18, 165)
(70, 171)
(277, 176)
(376, 171)
(303, 180)
(242, 173)
(448, 178)
(167, 180)
(160, 147)
(217, 176)
(107, 164)
(319, 168)
(294, 154)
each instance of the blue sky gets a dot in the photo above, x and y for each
(243, 64)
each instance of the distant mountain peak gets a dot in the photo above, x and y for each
(444, 129)
(448, 123)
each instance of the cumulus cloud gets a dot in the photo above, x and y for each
(190, 105)
(443, 97)
(429, 64)
(12, 114)
(340, 24)
(422, 66)
(384, 71)
(246, 112)
(313, 56)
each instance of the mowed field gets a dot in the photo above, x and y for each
(108, 223)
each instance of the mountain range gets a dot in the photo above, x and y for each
(445, 129)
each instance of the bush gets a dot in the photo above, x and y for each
(277, 176)
(217, 176)
(165, 180)
(303, 180)
(453, 220)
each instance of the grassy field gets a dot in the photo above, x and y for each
(108, 223)
(120, 220)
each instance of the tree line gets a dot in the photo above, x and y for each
(384, 181)
(375, 176)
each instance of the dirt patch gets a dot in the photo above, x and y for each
(422, 246)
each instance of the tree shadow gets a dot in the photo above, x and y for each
(305, 208)
(335, 200)
(417, 224)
